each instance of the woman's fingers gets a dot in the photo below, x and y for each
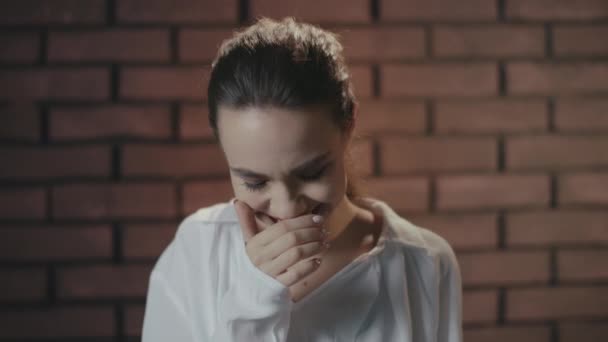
(298, 271)
(275, 231)
(291, 255)
(281, 249)
(246, 220)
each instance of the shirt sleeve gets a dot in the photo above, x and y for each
(255, 307)
(450, 298)
(165, 319)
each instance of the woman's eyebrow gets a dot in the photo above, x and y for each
(243, 172)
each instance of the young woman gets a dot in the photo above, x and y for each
(298, 254)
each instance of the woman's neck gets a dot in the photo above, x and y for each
(346, 215)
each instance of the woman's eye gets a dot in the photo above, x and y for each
(254, 186)
(309, 177)
(315, 175)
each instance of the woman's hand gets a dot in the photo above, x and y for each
(280, 250)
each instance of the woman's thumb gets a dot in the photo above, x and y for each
(246, 219)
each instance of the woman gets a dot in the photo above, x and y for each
(298, 254)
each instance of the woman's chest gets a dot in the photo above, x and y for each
(333, 263)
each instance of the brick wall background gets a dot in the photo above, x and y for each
(484, 120)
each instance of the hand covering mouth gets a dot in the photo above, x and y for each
(318, 209)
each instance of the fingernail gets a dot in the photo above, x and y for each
(326, 245)
(317, 219)
(318, 261)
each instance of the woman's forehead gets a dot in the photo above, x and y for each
(274, 127)
(257, 134)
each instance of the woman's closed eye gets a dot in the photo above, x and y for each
(256, 186)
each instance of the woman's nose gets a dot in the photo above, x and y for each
(286, 203)
(284, 211)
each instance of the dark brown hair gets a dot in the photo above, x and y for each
(284, 64)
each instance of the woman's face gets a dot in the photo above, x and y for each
(284, 163)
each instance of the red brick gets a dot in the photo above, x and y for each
(342, 11)
(194, 123)
(174, 161)
(504, 268)
(118, 200)
(582, 265)
(27, 284)
(147, 240)
(404, 194)
(583, 331)
(110, 121)
(23, 203)
(114, 45)
(35, 163)
(463, 232)
(524, 333)
(556, 303)
(557, 228)
(480, 306)
(437, 10)
(583, 115)
(583, 188)
(376, 117)
(362, 81)
(105, 281)
(528, 78)
(491, 116)
(55, 243)
(34, 12)
(489, 41)
(382, 43)
(447, 79)
(437, 154)
(164, 83)
(176, 11)
(19, 47)
(202, 194)
(560, 10)
(491, 191)
(134, 319)
(556, 152)
(58, 322)
(57, 83)
(20, 122)
(196, 45)
(585, 40)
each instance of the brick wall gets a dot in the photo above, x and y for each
(484, 120)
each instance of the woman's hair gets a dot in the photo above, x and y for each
(284, 64)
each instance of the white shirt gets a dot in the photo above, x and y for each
(204, 287)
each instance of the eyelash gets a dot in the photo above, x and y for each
(260, 186)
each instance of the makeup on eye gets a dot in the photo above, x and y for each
(305, 177)
(307, 165)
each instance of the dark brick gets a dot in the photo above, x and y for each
(337, 11)
(176, 11)
(55, 243)
(40, 12)
(35, 163)
(108, 201)
(446, 79)
(58, 83)
(114, 45)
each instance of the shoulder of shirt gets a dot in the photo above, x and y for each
(187, 239)
(411, 236)
(207, 220)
